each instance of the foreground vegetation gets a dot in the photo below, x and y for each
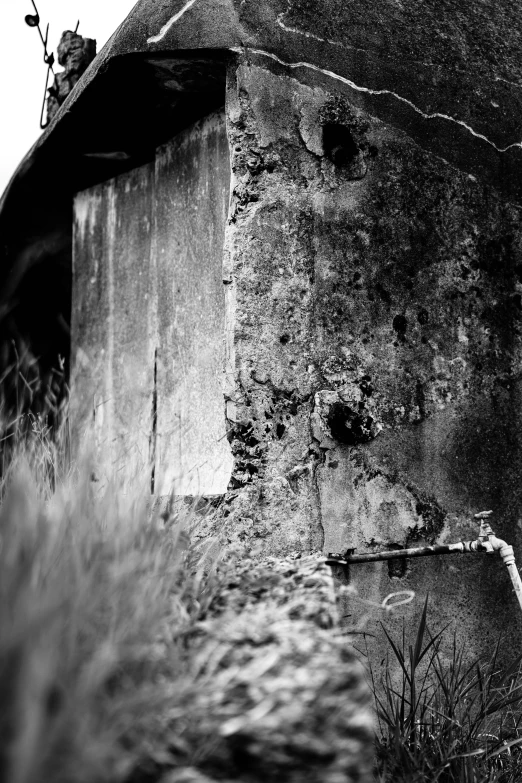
(130, 654)
(444, 719)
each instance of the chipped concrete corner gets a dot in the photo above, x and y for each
(374, 326)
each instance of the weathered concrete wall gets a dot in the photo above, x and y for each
(373, 303)
(148, 316)
(192, 191)
(375, 294)
(113, 321)
(372, 268)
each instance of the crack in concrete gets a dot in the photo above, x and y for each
(359, 88)
(294, 30)
(166, 27)
(506, 81)
(297, 31)
(340, 44)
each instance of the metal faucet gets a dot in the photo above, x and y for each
(486, 543)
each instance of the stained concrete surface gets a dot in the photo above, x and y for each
(377, 348)
(148, 319)
(192, 178)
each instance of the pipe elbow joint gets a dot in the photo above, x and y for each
(498, 544)
(504, 549)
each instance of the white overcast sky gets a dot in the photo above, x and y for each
(22, 70)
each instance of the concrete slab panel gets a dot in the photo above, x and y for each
(148, 317)
(114, 322)
(191, 206)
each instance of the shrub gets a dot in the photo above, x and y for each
(447, 722)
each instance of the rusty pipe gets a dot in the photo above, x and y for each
(461, 547)
(486, 543)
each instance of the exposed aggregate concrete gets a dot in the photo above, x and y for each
(375, 293)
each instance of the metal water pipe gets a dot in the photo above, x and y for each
(486, 543)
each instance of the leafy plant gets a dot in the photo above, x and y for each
(447, 721)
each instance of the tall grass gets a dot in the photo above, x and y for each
(97, 595)
(129, 654)
(447, 720)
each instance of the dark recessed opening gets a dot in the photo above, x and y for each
(349, 426)
(397, 569)
(423, 316)
(143, 102)
(339, 145)
(400, 324)
(35, 339)
(280, 430)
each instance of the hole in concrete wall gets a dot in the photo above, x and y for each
(423, 316)
(339, 145)
(284, 339)
(383, 293)
(349, 426)
(280, 430)
(365, 385)
(400, 324)
(397, 568)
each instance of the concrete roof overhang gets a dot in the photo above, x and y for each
(446, 72)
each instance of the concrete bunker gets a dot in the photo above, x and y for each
(373, 255)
